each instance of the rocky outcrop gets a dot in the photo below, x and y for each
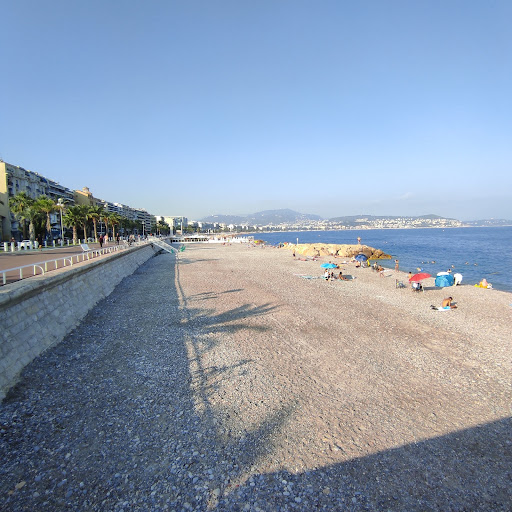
(336, 250)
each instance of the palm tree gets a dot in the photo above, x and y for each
(162, 228)
(84, 209)
(95, 213)
(125, 224)
(75, 216)
(33, 215)
(105, 216)
(115, 219)
(20, 205)
(46, 206)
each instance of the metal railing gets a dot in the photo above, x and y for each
(49, 265)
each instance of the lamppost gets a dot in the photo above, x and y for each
(60, 203)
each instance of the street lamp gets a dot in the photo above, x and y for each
(60, 203)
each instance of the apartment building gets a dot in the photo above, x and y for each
(15, 179)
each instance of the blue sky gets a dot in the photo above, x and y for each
(215, 107)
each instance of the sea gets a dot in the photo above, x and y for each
(476, 253)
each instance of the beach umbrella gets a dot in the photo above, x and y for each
(419, 277)
(361, 257)
(328, 265)
(444, 279)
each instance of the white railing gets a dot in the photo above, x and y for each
(49, 265)
(20, 269)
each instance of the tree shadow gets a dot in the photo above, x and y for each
(212, 295)
(113, 414)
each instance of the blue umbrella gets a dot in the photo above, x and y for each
(361, 257)
(328, 265)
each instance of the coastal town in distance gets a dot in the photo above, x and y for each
(289, 220)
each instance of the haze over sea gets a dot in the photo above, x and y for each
(474, 252)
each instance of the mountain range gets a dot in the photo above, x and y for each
(287, 216)
(263, 218)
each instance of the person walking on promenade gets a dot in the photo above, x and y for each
(117, 239)
(101, 241)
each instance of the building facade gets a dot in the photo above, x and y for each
(15, 179)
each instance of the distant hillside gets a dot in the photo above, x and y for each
(263, 218)
(359, 220)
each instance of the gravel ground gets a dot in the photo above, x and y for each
(227, 382)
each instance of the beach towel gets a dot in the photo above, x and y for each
(440, 308)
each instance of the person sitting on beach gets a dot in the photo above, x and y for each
(326, 275)
(358, 264)
(416, 286)
(341, 276)
(447, 303)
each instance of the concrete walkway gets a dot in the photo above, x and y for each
(23, 257)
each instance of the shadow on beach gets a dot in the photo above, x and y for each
(119, 417)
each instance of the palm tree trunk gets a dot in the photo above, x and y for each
(95, 231)
(48, 226)
(32, 231)
(75, 235)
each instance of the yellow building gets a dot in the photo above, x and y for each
(5, 212)
(85, 197)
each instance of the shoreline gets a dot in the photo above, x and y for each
(476, 254)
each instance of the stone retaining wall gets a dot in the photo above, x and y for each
(38, 312)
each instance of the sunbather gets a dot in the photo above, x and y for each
(447, 303)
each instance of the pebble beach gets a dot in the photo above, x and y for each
(233, 377)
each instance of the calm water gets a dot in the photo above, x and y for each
(474, 252)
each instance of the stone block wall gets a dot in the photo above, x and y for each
(38, 312)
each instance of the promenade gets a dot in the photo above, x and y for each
(23, 257)
(219, 379)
